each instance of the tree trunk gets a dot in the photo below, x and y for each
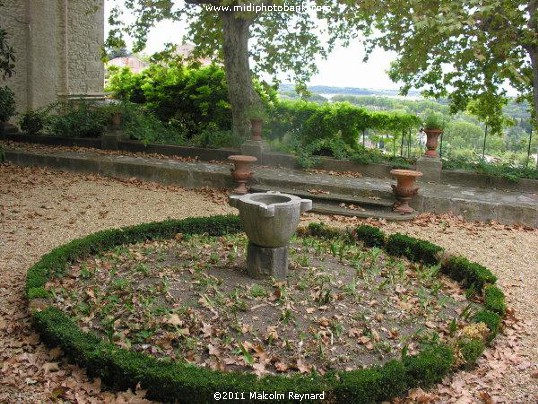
(532, 49)
(533, 53)
(484, 144)
(241, 94)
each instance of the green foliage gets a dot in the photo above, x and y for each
(311, 122)
(471, 350)
(139, 123)
(80, 119)
(372, 385)
(91, 120)
(309, 130)
(434, 121)
(33, 122)
(36, 293)
(7, 103)
(492, 321)
(257, 112)
(213, 137)
(191, 98)
(503, 170)
(7, 56)
(414, 249)
(430, 365)
(469, 273)
(371, 236)
(327, 232)
(494, 299)
(428, 35)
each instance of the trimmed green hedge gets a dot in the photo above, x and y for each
(494, 299)
(371, 236)
(321, 230)
(492, 320)
(177, 381)
(470, 274)
(413, 248)
(471, 350)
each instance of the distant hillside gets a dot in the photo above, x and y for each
(346, 90)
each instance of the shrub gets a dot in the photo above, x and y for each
(323, 231)
(213, 137)
(32, 123)
(469, 273)
(371, 236)
(429, 366)
(494, 299)
(414, 249)
(191, 98)
(139, 123)
(372, 385)
(7, 103)
(434, 121)
(81, 119)
(492, 321)
(471, 350)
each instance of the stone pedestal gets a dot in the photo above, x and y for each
(110, 139)
(430, 167)
(266, 261)
(255, 148)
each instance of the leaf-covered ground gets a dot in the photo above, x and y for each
(342, 307)
(42, 208)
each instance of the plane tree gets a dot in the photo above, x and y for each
(269, 36)
(470, 50)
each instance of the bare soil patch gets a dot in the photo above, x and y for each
(342, 307)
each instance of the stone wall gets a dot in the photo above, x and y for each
(85, 40)
(58, 49)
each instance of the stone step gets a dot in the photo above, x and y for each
(387, 214)
(330, 198)
(345, 205)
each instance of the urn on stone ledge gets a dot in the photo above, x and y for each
(404, 189)
(241, 172)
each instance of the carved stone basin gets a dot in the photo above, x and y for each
(269, 220)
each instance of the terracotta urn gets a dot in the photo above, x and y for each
(241, 172)
(432, 141)
(256, 129)
(404, 189)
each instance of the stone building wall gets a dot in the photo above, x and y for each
(58, 49)
(86, 71)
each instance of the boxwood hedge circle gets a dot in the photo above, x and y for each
(170, 381)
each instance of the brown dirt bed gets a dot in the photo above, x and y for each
(342, 306)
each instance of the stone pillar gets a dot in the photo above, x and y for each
(255, 148)
(430, 167)
(266, 261)
(111, 138)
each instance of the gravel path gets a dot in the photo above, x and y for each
(41, 209)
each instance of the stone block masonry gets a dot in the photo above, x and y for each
(58, 49)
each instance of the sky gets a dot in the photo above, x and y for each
(343, 68)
